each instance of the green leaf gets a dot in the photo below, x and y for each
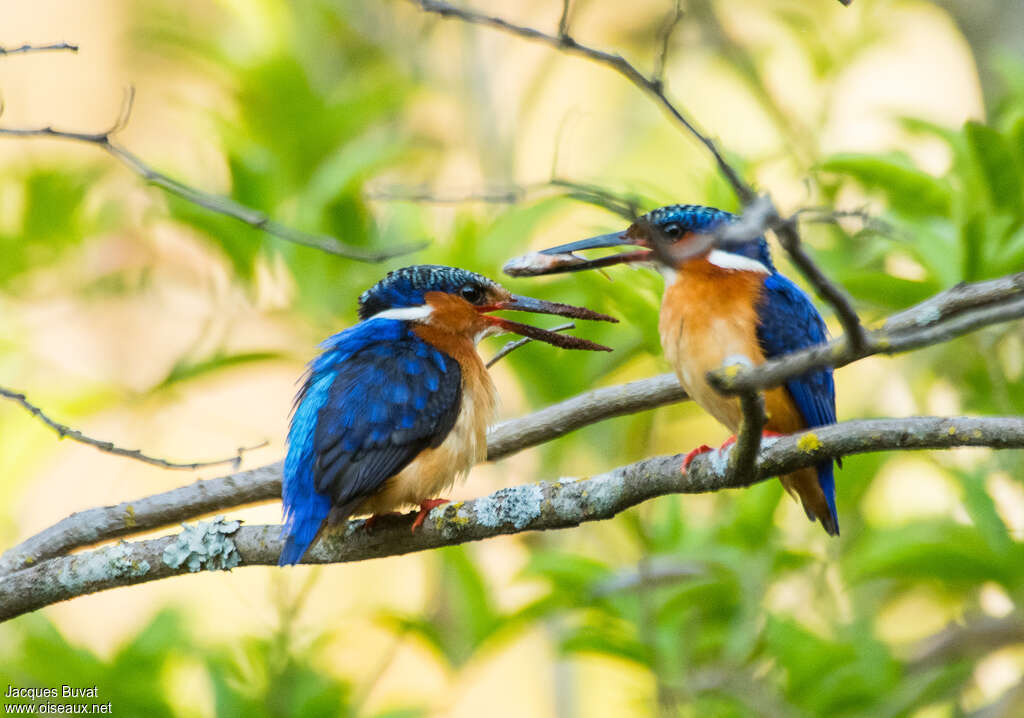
(907, 189)
(997, 165)
(983, 513)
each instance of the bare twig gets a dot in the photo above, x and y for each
(214, 203)
(66, 432)
(566, 43)
(664, 39)
(563, 20)
(627, 206)
(789, 238)
(39, 48)
(264, 484)
(532, 507)
(516, 343)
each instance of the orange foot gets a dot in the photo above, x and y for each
(425, 507)
(702, 449)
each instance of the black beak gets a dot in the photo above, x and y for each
(540, 306)
(561, 258)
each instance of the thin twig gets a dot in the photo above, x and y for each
(66, 432)
(563, 20)
(532, 507)
(214, 203)
(566, 43)
(789, 238)
(516, 343)
(39, 48)
(627, 206)
(664, 39)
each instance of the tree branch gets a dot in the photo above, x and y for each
(66, 432)
(532, 507)
(26, 48)
(214, 203)
(264, 484)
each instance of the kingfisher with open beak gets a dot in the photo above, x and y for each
(723, 299)
(397, 406)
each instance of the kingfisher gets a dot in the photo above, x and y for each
(723, 299)
(396, 407)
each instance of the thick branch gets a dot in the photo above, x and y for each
(532, 507)
(214, 203)
(66, 432)
(264, 484)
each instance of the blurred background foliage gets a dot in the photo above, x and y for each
(147, 319)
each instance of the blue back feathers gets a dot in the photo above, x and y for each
(789, 322)
(374, 399)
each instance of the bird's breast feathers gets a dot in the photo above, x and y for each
(709, 314)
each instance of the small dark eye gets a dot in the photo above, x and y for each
(472, 293)
(673, 230)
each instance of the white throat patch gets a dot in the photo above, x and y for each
(406, 314)
(728, 260)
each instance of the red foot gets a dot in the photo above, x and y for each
(727, 443)
(425, 508)
(702, 449)
(770, 434)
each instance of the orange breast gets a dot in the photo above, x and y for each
(708, 315)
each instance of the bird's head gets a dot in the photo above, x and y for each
(672, 236)
(460, 302)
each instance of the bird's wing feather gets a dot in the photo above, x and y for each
(789, 322)
(374, 399)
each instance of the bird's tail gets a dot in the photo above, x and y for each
(302, 525)
(816, 489)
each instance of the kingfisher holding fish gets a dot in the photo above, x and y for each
(397, 406)
(723, 298)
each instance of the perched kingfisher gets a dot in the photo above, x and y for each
(723, 300)
(397, 406)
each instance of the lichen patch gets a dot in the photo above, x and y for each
(207, 544)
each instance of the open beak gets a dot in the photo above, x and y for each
(561, 258)
(540, 306)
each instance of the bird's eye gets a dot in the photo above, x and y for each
(472, 293)
(673, 230)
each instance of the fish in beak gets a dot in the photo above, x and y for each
(562, 258)
(539, 306)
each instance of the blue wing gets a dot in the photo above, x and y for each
(789, 322)
(375, 398)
